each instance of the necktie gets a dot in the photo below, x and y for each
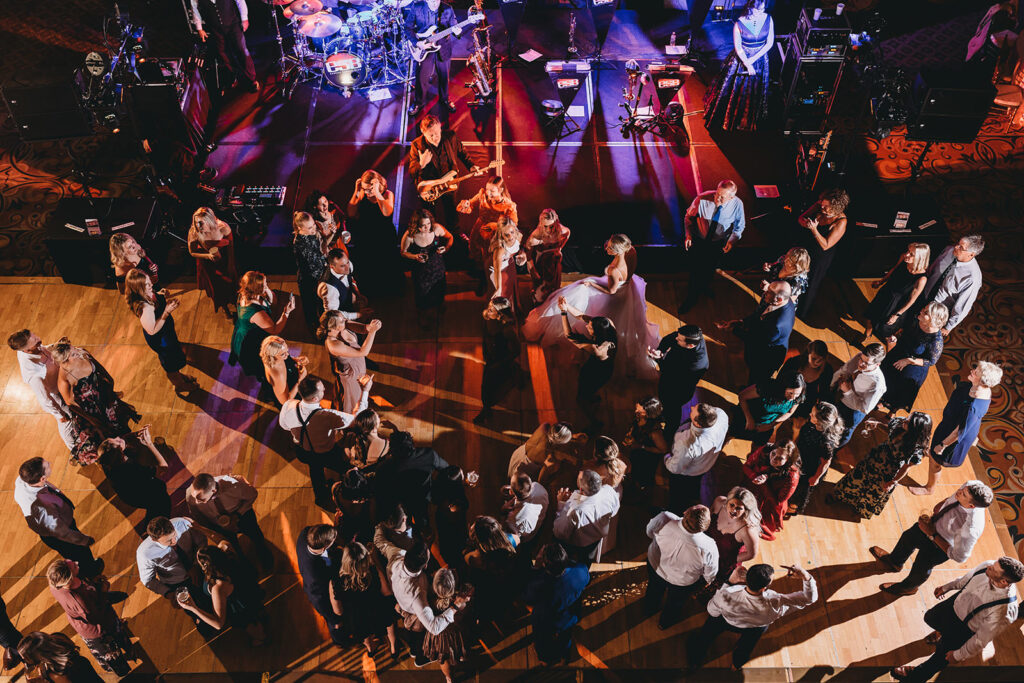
(713, 224)
(942, 278)
(943, 511)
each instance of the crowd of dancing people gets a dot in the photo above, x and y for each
(371, 575)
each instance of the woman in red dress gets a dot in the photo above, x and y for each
(211, 243)
(772, 473)
(544, 249)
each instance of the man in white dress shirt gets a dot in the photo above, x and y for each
(680, 555)
(954, 280)
(167, 554)
(585, 515)
(748, 610)
(985, 603)
(527, 506)
(949, 533)
(695, 451)
(859, 385)
(39, 372)
(410, 584)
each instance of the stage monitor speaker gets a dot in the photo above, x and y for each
(667, 80)
(602, 12)
(568, 78)
(951, 105)
(47, 112)
(809, 88)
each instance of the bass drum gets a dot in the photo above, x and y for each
(345, 65)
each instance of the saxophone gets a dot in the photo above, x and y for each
(480, 60)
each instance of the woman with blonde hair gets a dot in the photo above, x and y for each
(906, 366)
(506, 254)
(825, 222)
(254, 321)
(447, 647)
(551, 448)
(211, 243)
(544, 250)
(310, 263)
(374, 238)
(961, 420)
(282, 372)
(154, 313)
(619, 296)
(86, 386)
(493, 203)
(358, 596)
(348, 356)
(735, 529)
(773, 472)
(125, 254)
(791, 267)
(900, 289)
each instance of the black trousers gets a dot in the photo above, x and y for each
(929, 556)
(249, 526)
(9, 635)
(229, 43)
(705, 257)
(677, 596)
(82, 554)
(954, 634)
(312, 306)
(430, 69)
(685, 491)
(333, 460)
(498, 380)
(699, 643)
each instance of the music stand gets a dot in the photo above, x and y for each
(568, 78)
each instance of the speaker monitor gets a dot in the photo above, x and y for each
(47, 112)
(951, 106)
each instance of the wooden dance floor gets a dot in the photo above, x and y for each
(429, 383)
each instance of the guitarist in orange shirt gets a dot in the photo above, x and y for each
(420, 17)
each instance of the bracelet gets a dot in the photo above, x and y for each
(565, 313)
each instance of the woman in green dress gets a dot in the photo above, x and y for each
(254, 322)
(867, 487)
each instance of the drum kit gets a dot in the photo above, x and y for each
(367, 50)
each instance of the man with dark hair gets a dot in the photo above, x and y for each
(167, 554)
(949, 533)
(691, 462)
(411, 586)
(985, 603)
(746, 605)
(859, 385)
(436, 153)
(954, 280)
(338, 289)
(393, 536)
(51, 514)
(224, 504)
(682, 359)
(765, 332)
(318, 562)
(585, 515)
(224, 23)
(680, 555)
(420, 17)
(554, 591)
(526, 506)
(317, 431)
(407, 476)
(39, 371)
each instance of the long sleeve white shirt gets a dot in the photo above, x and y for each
(584, 520)
(243, 13)
(39, 372)
(323, 429)
(527, 515)
(159, 565)
(867, 387)
(695, 449)
(988, 623)
(960, 527)
(743, 610)
(678, 556)
(57, 522)
(410, 594)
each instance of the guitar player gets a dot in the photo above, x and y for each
(435, 153)
(420, 16)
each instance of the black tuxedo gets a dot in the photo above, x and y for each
(317, 572)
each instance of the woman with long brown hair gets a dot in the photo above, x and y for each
(825, 222)
(54, 658)
(254, 321)
(233, 587)
(544, 250)
(154, 313)
(211, 243)
(374, 238)
(772, 473)
(424, 243)
(359, 595)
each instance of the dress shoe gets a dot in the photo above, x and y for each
(447, 104)
(896, 589)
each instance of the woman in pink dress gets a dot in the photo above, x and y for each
(211, 243)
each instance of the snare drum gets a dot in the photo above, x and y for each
(344, 66)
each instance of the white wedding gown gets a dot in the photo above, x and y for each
(627, 309)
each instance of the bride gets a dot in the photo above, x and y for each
(619, 295)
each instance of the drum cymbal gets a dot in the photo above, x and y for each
(319, 25)
(304, 8)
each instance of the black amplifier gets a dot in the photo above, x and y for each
(826, 36)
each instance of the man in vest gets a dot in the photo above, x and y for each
(338, 289)
(224, 23)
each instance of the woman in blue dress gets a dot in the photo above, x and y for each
(906, 366)
(961, 422)
(738, 97)
(154, 313)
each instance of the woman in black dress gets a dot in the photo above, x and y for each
(86, 386)
(501, 355)
(646, 441)
(357, 596)
(233, 587)
(817, 443)
(154, 312)
(55, 657)
(311, 264)
(134, 483)
(900, 289)
(424, 243)
(599, 341)
(283, 372)
(447, 647)
(817, 372)
(492, 565)
(825, 222)
(906, 366)
(374, 240)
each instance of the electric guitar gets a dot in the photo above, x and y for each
(430, 40)
(432, 190)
